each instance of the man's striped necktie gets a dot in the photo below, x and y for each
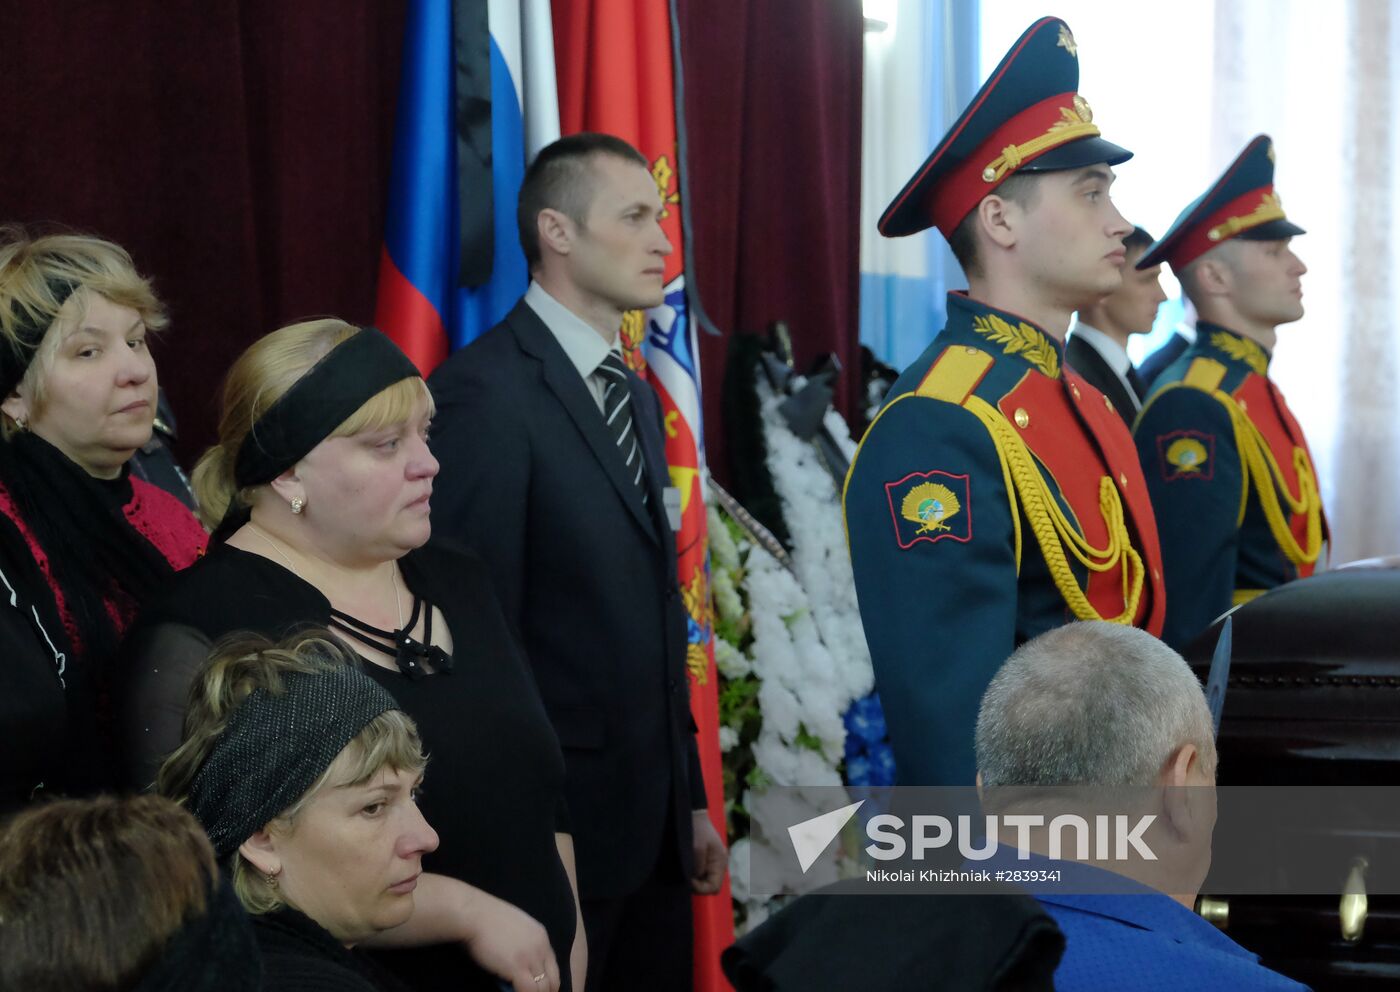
(617, 412)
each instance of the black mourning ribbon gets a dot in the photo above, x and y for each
(409, 653)
(805, 405)
(471, 58)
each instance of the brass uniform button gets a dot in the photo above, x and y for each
(1244, 406)
(1156, 575)
(1108, 402)
(971, 350)
(1023, 419)
(1074, 389)
(1123, 479)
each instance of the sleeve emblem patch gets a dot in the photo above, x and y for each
(1186, 455)
(929, 506)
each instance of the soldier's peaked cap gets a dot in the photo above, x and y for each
(1027, 117)
(1240, 204)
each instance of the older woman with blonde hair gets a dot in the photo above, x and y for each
(320, 486)
(83, 544)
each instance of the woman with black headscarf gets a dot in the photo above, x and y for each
(305, 774)
(320, 488)
(83, 544)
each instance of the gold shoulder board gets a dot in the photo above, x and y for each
(1205, 374)
(955, 374)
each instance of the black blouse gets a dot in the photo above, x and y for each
(494, 785)
(33, 711)
(299, 955)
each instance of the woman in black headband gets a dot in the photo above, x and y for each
(304, 772)
(83, 543)
(320, 488)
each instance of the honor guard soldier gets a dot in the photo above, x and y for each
(997, 494)
(1231, 478)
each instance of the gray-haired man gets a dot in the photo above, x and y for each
(1100, 706)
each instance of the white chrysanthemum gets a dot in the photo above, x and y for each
(739, 870)
(731, 662)
(728, 738)
(812, 511)
(727, 602)
(723, 551)
(782, 713)
(808, 649)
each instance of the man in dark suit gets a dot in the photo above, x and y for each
(554, 470)
(1097, 347)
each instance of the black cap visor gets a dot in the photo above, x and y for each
(1076, 155)
(1274, 230)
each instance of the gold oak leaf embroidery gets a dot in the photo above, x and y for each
(1023, 340)
(1269, 207)
(1242, 350)
(1076, 117)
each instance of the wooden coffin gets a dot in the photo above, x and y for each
(1313, 698)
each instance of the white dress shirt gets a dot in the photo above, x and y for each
(583, 345)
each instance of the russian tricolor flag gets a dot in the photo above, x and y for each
(423, 303)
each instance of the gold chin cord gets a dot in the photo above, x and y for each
(1056, 534)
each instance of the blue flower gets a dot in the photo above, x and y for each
(866, 719)
(882, 770)
(858, 771)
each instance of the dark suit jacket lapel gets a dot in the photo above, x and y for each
(645, 423)
(568, 387)
(1085, 359)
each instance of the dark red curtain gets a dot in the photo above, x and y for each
(238, 150)
(773, 108)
